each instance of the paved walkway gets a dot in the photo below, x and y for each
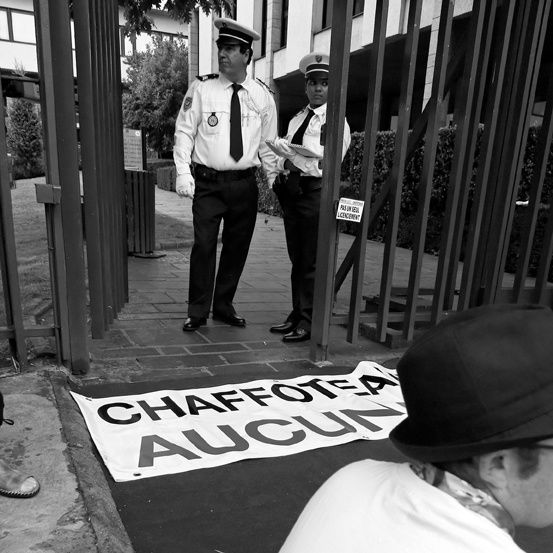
(147, 338)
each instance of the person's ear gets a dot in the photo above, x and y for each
(494, 468)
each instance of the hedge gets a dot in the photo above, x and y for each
(384, 152)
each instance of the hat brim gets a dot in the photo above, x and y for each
(405, 440)
(316, 74)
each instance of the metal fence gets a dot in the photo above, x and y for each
(83, 117)
(493, 76)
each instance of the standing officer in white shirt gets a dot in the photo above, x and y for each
(300, 193)
(221, 130)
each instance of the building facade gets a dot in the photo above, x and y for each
(292, 28)
(18, 52)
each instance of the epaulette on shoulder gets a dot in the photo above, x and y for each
(265, 85)
(207, 77)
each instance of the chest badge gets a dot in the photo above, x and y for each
(212, 120)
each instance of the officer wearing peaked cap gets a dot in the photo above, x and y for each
(220, 136)
(299, 193)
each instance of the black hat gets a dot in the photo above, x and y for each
(231, 32)
(480, 381)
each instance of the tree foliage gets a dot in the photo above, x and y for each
(156, 83)
(24, 138)
(181, 10)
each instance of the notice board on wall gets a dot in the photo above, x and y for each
(134, 149)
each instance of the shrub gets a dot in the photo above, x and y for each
(24, 138)
(351, 171)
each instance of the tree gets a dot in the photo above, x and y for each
(156, 83)
(181, 10)
(24, 138)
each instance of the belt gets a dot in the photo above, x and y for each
(206, 173)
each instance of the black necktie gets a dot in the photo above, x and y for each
(236, 150)
(298, 135)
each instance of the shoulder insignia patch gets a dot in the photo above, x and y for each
(187, 103)
(207, 77)
(265, 85)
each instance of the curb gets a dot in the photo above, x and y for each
(103, 515)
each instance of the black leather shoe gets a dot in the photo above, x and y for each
(232, 320)
(284, 328)
(193, 323)
(297, 335)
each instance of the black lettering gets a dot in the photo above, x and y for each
(257, 397)
(103, 411)
(316, 386)
(239, 443)
(228, 403)
(147, 453)
(277, 391)
(379, 381)
(196, 403)
(345, 427)
(357, 416)
(169, 405)
(348, 385)
(252, 429)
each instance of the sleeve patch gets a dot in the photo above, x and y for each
(187, 103)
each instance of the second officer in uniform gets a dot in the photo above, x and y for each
(299, 193)
(220, 138)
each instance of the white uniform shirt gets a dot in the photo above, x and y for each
(379, 507)
(202, 130)
(312, 139)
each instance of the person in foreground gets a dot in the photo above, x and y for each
(478, 390)
(299, 192)
(14, 483)
(221, 130)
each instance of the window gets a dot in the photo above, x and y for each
(4, 27)
(23, 27)
(357, 9)
(17, 26)
(284, 23)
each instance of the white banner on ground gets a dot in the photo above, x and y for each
(171, 431)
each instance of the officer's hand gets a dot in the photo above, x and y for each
(185, 185)
(282, 148)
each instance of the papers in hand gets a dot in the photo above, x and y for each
(283, 148)
(305, 151)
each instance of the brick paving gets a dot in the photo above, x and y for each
(146, 341)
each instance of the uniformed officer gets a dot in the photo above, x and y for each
(221, 130)
(299, 193)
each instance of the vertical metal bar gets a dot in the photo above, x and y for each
(56, 70)
(430, 146)
(398, 168)
(381, 198)
(119, 165)
(376, 69)
(472, 266)
(467, 166)
(324, 276)
(102, 133)
(8, 257)
(89, 156)
(543, 149)
(465, 105)
(524, 82)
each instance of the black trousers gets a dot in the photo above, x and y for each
(301, 224)
(235, 203)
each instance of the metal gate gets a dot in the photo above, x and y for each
(95, 102)
(494, 78)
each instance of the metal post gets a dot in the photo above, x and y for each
(326, 253)
(58, 110)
